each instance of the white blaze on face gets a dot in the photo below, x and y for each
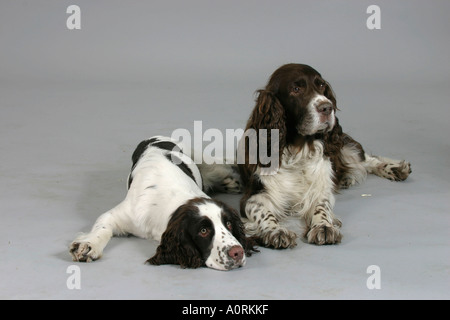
(222, 241)
(316, 121)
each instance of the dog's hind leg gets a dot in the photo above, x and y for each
(394, 170)
(220, 178)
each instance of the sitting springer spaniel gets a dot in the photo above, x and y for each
(315, 158)
(165, 202)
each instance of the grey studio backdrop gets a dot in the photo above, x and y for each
(75, 103)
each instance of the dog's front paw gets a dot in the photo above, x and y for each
(280, 238)
(324, 233)
(83, 252)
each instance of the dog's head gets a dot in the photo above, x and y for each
(307, 99)
(204, 232)
(298, 103)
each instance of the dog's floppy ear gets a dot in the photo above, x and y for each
(268, 114)
(176, 245)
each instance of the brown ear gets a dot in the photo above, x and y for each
(176, 245)
(268, 114)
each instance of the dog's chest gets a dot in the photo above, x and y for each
(303, 175)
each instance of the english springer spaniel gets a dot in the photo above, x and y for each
(165, 202)
(315, 158)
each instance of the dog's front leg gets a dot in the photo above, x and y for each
(263, 223)
(88, 247)
(322, 225)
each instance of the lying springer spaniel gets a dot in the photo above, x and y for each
(165, 202)
(315, 158)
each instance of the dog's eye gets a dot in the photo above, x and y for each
(204, 232)
(298, 87)
(298, 90)
(229, 225)
(320, 84)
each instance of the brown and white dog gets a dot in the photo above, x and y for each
(315, 158)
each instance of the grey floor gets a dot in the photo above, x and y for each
(74, 104)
